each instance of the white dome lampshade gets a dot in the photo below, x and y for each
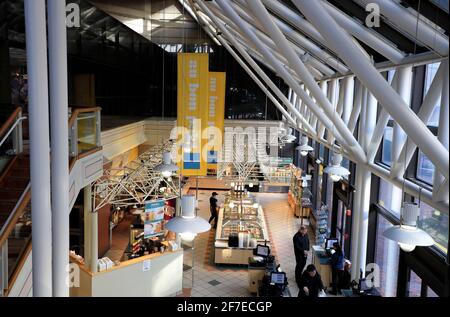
(188, 225)
(335, 170)
(166, 167)
(304, 148)
(407, 234)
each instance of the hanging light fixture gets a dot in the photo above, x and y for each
(304, 148)
(188, 225)
(250, 185)
(231, 205)
(408, 235)
(335, 170)
(166, 167)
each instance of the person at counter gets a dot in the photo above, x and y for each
(301, 248)
(310, 283)
(213, 209)
(337, 268)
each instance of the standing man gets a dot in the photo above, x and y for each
(213, 208)
(301, 248)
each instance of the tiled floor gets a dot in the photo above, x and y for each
(231, 281)
(120, 239)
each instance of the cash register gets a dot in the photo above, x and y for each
(274, 282)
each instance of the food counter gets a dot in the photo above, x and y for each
(321, 261)
(239, 229)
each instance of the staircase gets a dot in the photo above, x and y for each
(15, 194)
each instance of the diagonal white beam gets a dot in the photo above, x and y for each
(356, 109)
(419, 30)
(443, 132)
(303, 26)
(258, 70)
(301, 41)
(364, 34)
(257, 28)
(424, 114)
(276, 64)
(365, 71)
(261, 13)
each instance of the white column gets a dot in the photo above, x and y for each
(404, 82)
(91, 230)
(349, 89)
(443, 131)
(363, 186)
(36, 39)
(57, 41)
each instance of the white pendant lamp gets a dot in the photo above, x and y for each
(188, 225)
(304, 148)
(166, 167)
(335, 170)
(407, 234)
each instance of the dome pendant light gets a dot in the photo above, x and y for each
(166, 167)
(335, 170)
(407, 234)
(188, 225)
(304, 148)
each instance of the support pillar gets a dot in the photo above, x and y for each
(90, 231)
(57, 42)
(35, 31)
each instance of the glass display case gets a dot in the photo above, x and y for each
(241, 227)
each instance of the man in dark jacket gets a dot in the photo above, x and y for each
(337, 268)
(310, 283)
(301, 248)
(213, 208)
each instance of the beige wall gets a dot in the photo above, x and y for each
(164, 278)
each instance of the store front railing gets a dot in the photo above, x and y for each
(84, 131)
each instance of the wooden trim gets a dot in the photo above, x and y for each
(87, 153)
(18, 268)
(8, 167)
(4, 128)
(8, 227)
(72, 162)
(77, 111)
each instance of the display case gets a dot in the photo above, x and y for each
(240, 229)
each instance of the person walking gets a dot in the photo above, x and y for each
(337, 268)
(301, 248)
(213, 208)
(310, 283)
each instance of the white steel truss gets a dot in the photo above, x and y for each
(137, 182)
(329, 108)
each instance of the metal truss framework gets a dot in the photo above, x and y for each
(137, 182)
(329, 106)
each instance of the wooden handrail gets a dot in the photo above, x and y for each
(77, 111)
(11, 119)
(17, 212)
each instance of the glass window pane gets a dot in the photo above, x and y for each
(431, 71)
(425, 169)
(385, 197)
(415, 285)
(435, 223)
(386, 257)
(431, 293)
(386, 156)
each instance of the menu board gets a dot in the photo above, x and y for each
(154, 218)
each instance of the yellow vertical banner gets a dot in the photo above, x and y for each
(192, 99)
(215, 119)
